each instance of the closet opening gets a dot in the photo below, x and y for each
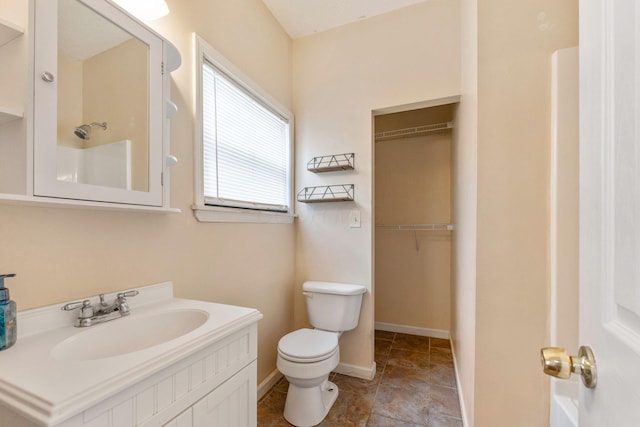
(413, 196)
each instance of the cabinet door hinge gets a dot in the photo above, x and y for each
(162, 67)
(162, 179)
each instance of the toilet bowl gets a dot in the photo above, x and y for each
(306, 357)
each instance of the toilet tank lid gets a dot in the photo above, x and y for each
(336, 288)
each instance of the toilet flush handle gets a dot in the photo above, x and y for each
(308, 294)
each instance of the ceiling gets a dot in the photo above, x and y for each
(304, 17)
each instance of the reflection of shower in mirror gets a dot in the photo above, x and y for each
(83, 131)
(107, 165)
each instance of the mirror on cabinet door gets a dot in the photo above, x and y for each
(103, 107)
(98, 104)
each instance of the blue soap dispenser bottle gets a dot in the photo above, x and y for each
(8, 322)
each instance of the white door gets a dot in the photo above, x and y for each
(610, 209)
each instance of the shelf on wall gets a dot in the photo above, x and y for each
(327, 193)
(9, 31)
(413, 132)
(331, 163)
(9, 114)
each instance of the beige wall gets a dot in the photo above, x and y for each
(564, 206)
(117, 74)
(412, 186)
(65, 254)
(340, 76)
(465, 208)
(515, 43)
(69, 100)
(501, 260)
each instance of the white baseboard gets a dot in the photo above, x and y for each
(356, 371)
(413, 330)
(268, 383)
(463, 409)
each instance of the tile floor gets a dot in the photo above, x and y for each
(414, 386)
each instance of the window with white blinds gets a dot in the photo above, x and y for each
(245, 146)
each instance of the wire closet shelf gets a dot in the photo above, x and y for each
(413, 132)
(416, 227)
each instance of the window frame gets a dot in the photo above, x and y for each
(204, 52)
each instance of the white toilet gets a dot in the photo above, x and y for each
(307, 356)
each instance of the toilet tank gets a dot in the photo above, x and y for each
(333, 306)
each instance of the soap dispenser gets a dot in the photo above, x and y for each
(8, 332)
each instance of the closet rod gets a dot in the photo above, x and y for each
(417, 227)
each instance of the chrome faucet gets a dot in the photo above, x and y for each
(104, 312)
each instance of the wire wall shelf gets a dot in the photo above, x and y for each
(331, 163)
(327, 193)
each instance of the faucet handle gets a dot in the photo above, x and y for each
(86, 310)
(73, 305)
(128, 294)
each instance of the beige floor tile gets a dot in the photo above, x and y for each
(384, 335)
(443, 401)
(442, 375)
(443, 421)
(408, 359)
(413, 387)
(381, 361)
(440, 343)
(411, 342)
(400, 376)
(380, 421)
(382, 347)
(357, 385)
(441, 356)
(401, 404)
(350, 409)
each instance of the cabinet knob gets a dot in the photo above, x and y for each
(47, 77)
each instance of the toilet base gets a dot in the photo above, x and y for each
(308, 406)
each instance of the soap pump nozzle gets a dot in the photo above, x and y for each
(4, 292)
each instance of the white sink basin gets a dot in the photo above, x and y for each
(55, 371)
(129, 334)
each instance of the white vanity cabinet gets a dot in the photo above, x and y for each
(97, 106)
(213, 388)
(171, 362)
(232, 404)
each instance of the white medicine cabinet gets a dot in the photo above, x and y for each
(95, 131)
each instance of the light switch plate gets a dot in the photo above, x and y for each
(354, 219)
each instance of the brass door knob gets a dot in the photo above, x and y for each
(557, 363)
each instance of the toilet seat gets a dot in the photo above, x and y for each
(308, 345)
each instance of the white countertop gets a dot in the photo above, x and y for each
(48, 391)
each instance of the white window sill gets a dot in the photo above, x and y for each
(220, 214)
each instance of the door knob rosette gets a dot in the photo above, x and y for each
(557, 363)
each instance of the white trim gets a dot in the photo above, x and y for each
(268, 383)
(413, 330)
(463, 409)
(204, 51)
(19, 199)
(418, 105)
(222, 214)
(357, 371)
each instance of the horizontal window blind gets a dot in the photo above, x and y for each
(245, 147)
